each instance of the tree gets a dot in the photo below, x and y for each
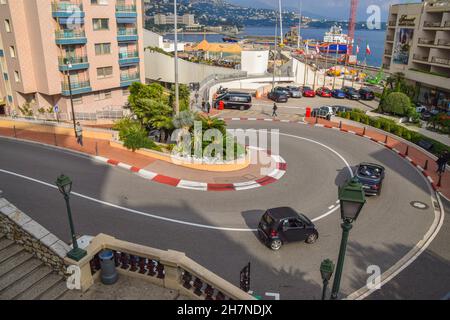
(133, 135)
(397, 103)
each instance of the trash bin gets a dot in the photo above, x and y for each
(108, 267)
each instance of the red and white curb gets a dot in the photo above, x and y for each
(275, 175)
(404, 156)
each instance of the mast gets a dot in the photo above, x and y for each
(281, 22)
(299, 26)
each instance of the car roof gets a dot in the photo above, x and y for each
(369, 164)
(282, 213)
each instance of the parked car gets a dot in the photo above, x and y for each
(325, 112)
(283, 225)
(278, 96)
(420, 108)
(235, 100)
(341, 109)
(351, 93)
(425, 115)
(324, 92)
(294, 92)
(371, 176)
(308, 92)
(338, 94)
(366, 94)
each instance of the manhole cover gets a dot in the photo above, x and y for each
(419, 205)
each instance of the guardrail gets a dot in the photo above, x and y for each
(169, 269)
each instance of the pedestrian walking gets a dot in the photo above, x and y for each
(442, 162)
(196, 97)
(208, 107)
(79, 133)
(203, 105)
(274, 109)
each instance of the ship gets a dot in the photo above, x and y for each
(334, 42)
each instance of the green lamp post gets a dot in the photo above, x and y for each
(352, 200)
(65, 187)
(326, 271)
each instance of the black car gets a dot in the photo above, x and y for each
(278, 96)
(235, 100)
(366, 94)
(351, 93)
(371, 176)
(283, 225)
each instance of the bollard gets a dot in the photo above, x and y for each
(109, 273)
(386, 139)
(425, 167)
(440, 178)
(340, 124)
(56, 141)
(317, 120)
(364, 131)
(96, 148)
(15, 133)
(407, 150)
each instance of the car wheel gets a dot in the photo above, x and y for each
(311, 238)
(275, 245)
(242, 108)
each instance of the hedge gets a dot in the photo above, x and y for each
(391, 126)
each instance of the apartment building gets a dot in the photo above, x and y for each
(418, 45)
(96, 46)
(162, 19)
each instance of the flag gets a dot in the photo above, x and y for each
(317, 48)
(368, 51)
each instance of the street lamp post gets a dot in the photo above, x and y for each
(65, 187)
(352, 200)
(177, 89)
(326, 271)
(69, 67)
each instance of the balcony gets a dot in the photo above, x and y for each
(126, 11)
(432, 24)
(387, 52)
(127, 79)
(443, 43)
(428, 42)
(441, 61)
(127, 35)
(420, 58)
(70, 37)
(392, 23)
(128, 58)
(67, 10)
(78, 87)
(390, 39)
(439, 6)
(78, 63)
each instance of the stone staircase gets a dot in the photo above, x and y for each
(24, 277)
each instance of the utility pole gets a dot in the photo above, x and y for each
(177, 89)
(275, 52)
(281, 21)
(299, 26)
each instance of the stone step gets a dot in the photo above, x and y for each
(25, 283)
(9, 251)
(55, 291)
(40, 287)
(14, 261)
(4, 243)
(18, 273)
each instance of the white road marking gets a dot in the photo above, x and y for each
(193, 185)
(273, 294)
(331, 207)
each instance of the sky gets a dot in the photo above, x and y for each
(335, 9)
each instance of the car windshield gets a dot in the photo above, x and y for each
(306, 88)
(369, 172)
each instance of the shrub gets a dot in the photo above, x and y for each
(365, 119)
(397, 130)
(397, 103)
(407, 134)
(355, 116)
(134, 136)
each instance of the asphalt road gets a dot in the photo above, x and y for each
(386, 230)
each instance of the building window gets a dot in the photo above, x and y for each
(102, 95)
(105, 72)
(17, 76)
(2, 1)
(1, 53)
(100, 24)
(5, 76)
(12, 52)
(7, 25)
(10, 99)
(77, 100)
(102, 49)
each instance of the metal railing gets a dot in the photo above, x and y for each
(129, 55)
(431, 24)
(127, 32)
(443, 42)
(70, 34)
(439, 60)
(105, 114)
(125, 8)
(426, 41)
(66, 6)
(75, 85)
(73, 60)
(130, 76)
(420, 58)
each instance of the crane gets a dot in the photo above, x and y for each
(352, 24)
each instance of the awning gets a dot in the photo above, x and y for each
(126, 20)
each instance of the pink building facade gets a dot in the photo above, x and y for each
(97, 43)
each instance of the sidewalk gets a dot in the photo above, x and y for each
(409, 151)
